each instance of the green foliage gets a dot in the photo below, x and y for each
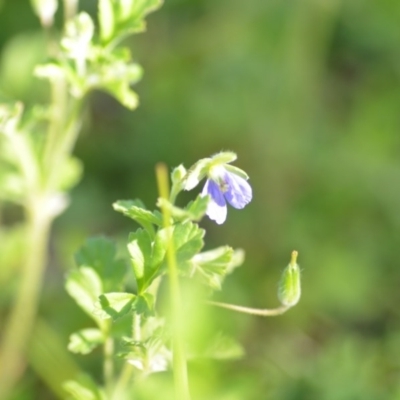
(136, 210)
(114, 305)
(85, 340)
(212, 266)
(99, 254)
(84, 389)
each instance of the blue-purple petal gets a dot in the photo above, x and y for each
(216, 209)
(239, 192)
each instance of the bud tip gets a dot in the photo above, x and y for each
(293, 259)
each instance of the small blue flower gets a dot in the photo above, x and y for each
(223, 185)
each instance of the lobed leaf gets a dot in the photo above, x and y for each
(85, 340)
(114, 305)
(84, 286)
(100, 254)
(136, 210)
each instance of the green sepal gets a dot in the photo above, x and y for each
(136, 210)
(289, 291)
(114, 305)
(178, 174)
(84, 286)
(196, 173)
(99, 253)
(84, 388)
(85, 340)
(236, 171)
(224, 157)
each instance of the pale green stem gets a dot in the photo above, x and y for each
(178, 348)
(20, 323)
(126, 373)
(253, 311)
(62, 137)
(108, 366)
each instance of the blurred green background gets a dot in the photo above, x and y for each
(307, 93)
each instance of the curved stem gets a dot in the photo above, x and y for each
(253, 311)
(178, 348)
(20, 324)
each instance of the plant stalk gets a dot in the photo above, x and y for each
(21, 319)
(178, 348)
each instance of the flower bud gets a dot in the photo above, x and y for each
(289, 290)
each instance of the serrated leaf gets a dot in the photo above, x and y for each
(84, 286)
(85, 340)
(136, 210)
(188, 241)
(140, 249)
(99, 253)
(84, 388)
(114, 305)
(212, 266)
(145, 304)
(132, 14)
(147, 256)
(198, 208)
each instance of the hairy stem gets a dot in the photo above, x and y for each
(178, 348)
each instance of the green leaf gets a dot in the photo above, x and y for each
(85, 340)
(84, 388)
(114, 305)
(212, 266)
(106, 20)
(197, 208)
(147, 256)
(131, 15)
(85, 287)
(99, 253)
(140, 249)
(136, 210)
(145, 304)
(188, 241)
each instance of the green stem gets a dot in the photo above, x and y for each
(178, 349)
(253, 311)
(126, 373)
(61, 138)
(20, 323)
(108, 366)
